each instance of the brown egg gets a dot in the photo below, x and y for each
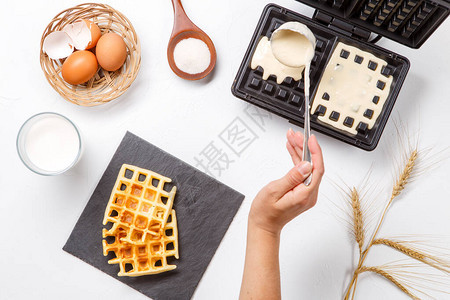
(95, 34)
(79, 67)
(111, 51)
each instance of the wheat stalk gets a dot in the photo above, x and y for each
(389, 277)
(400, 183)
(399, 186)
(408, 169)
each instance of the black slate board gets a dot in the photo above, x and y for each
(204, 206)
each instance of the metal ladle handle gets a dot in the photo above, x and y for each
(306, 134)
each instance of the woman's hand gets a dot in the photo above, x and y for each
(275, 205)
(282, 200)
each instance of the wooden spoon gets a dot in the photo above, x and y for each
(183, 28)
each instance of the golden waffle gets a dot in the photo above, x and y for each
(148, 257)
(138, 204)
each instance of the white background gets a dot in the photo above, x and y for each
(38, 213)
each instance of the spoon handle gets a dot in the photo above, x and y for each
(181, 21)
(306, 134)
(307, 130)
(178, 8)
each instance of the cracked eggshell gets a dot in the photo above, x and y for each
(58, 45)
(95, 33)
(80, 34)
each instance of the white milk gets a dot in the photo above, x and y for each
(52, 144)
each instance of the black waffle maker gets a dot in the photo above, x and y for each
(353, 22)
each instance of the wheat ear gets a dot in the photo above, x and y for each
(358, 219)
(399, 247)
(389, 277)
(405, 175)
(426, 258)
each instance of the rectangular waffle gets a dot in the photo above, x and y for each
(139, 203)
(149, 257)
(144, 226)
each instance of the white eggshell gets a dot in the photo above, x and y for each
(80, 34)
(58, 45)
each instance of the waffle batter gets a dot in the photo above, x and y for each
(352, 89)
(264, 58)
(293, 45)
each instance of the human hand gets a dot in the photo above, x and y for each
(282, 200)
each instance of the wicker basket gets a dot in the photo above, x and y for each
(104, 86)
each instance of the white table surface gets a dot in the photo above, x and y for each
(38, 213)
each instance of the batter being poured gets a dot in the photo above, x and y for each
(293, 45)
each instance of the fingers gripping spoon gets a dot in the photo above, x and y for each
(293, 45)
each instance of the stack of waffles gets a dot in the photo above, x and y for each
(143, 229)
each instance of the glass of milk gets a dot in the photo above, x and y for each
(49, 144)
